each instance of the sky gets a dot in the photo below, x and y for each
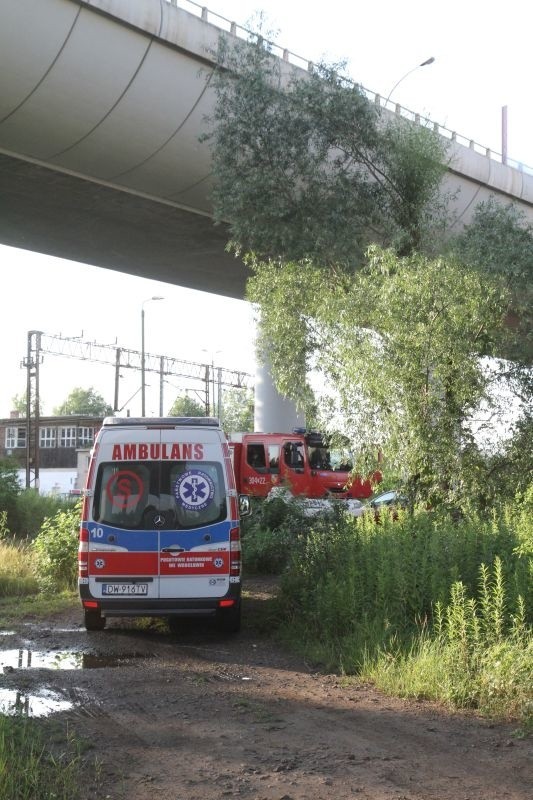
(482, 63)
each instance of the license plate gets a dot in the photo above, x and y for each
(124, 588)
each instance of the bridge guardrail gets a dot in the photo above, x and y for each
(298, 61)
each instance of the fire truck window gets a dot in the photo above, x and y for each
(255, 457)
(293, 455)
(273, 458)
(319, 458)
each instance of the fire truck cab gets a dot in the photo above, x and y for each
(301, 461)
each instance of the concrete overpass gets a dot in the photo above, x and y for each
(101, 106)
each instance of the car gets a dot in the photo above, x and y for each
(391, 500)
(314, 506)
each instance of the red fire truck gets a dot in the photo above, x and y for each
(301, 461)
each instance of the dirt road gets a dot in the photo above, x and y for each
(201, 716)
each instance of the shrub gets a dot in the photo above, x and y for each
(30, 511)
(268, 536)
(55, 550)
(275, 530)
(9, 486)
(357, 584)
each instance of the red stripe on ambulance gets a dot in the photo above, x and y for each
(123, 564)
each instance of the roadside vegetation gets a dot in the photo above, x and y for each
(39, 759)
(422, 605)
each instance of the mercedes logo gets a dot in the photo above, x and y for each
(159, 521)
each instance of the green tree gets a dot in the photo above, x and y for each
(401, 342)
(238, 410)
(186, 406)
(338, 210)
(499, 243)
(19, 403)
(509, 471)
(84, 402)
(307, 167)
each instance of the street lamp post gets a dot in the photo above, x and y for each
(423, 64)
(143, 356)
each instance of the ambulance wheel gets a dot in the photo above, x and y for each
(229, 619)
(94, 621)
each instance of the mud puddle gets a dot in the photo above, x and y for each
(42, 701)
(39, 703)
(24, 658)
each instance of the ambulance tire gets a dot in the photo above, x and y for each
(94, 621)
(229, 619)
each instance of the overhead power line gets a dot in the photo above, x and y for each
(120, 358)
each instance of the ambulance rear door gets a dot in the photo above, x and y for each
(123, 557)
(194, 503)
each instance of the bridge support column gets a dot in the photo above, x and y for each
(273, 413)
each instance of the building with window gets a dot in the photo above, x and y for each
(59, 439)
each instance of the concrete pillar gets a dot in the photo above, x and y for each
(273, 413)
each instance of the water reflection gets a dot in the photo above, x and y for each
(23, 658)
(41, 704)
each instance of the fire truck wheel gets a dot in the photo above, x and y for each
(94, 621)
(229, 619)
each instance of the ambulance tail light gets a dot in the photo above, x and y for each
(226, 603)
(90, 604)
(83, 549)
(235, 552)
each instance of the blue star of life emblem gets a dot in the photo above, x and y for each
(194, 490)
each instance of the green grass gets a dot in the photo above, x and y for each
(38, 606)
(425, 606)
(19, 586)
(19, 590)
(17, 577)
(38, 761)
(498, 685)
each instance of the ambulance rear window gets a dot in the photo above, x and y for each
(154, 495)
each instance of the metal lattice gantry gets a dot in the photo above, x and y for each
(207, 376)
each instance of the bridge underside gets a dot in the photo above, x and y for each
(65, 216)
(103, 104)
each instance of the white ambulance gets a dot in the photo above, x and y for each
(160, 531)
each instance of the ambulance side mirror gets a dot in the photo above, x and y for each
(245, 507)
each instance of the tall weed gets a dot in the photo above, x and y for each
(16, 573)
(29, 767)
(363, 585)
(479, 655)
(55, 550)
